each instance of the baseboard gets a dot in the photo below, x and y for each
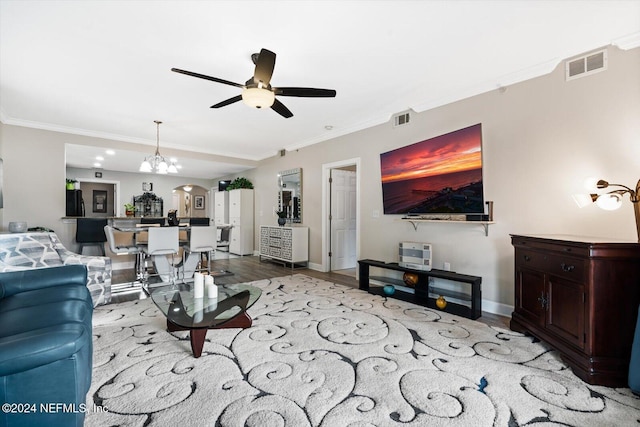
(497, 308)
(314, 266)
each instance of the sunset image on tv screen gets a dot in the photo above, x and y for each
(436, 176)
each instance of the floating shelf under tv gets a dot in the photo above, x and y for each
(418, 220)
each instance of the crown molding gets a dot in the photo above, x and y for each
(630, 41)
(116, 137)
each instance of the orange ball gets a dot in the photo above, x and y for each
(441, 303)
(410, 279)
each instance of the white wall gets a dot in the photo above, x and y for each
(541, 139)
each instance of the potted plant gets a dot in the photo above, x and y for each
(240, 182)
(282, 217)
(129, 209)
(71, 184)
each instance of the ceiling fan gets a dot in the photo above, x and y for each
(258, 92)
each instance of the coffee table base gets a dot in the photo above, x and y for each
(197, 336)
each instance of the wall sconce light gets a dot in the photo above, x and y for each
(612, 200)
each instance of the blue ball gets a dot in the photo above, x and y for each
(389, 289)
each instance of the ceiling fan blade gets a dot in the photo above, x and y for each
(202, 76)
(264, 67)
(306, 92)
(279, 108)
(227, 102)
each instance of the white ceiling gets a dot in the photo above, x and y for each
(102, 68)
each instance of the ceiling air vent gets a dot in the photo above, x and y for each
(401, 119)
(586, 65)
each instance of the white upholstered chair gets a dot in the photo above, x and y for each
(163, 241)
(119, 248)
(201, 240)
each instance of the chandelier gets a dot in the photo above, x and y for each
(157, 163)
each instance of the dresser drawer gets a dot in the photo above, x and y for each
(531, 259)
(567, 268)
(275, 232)
(275, 242)
(563, 266)
(275, 252)
(546, 247)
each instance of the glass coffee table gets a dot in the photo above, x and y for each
(198, 315)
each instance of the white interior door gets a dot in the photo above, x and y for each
(343, 219)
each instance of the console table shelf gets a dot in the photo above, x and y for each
(416, 221)
(420, 294)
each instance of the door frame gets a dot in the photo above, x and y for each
(326, 197)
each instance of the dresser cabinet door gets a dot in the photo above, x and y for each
(531, 297)
(566, 308)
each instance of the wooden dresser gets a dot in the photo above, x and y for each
(581, 296)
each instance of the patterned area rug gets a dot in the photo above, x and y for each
(321, 354)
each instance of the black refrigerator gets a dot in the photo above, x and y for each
(75, 204)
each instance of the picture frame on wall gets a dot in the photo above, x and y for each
(99, 201)
(198, 202)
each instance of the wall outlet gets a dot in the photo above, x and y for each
(375, 213)
(447, 266)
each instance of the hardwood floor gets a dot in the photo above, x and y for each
(250, 268)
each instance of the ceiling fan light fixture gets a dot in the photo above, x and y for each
(258, 97)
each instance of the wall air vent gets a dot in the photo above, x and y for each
(401, 119)
(586, 65)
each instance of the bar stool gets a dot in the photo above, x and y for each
(199, 222)
(201, 241)
(120, 249)
(90, 232)
(163, 241)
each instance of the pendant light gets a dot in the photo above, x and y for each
(157, 163)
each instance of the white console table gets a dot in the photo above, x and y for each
(289, 245)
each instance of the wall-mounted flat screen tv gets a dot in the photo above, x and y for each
(441, 175)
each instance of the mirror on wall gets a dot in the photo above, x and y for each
(290, 194)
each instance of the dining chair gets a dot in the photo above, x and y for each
(163, 241)
(90, 232)
(202, 240)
